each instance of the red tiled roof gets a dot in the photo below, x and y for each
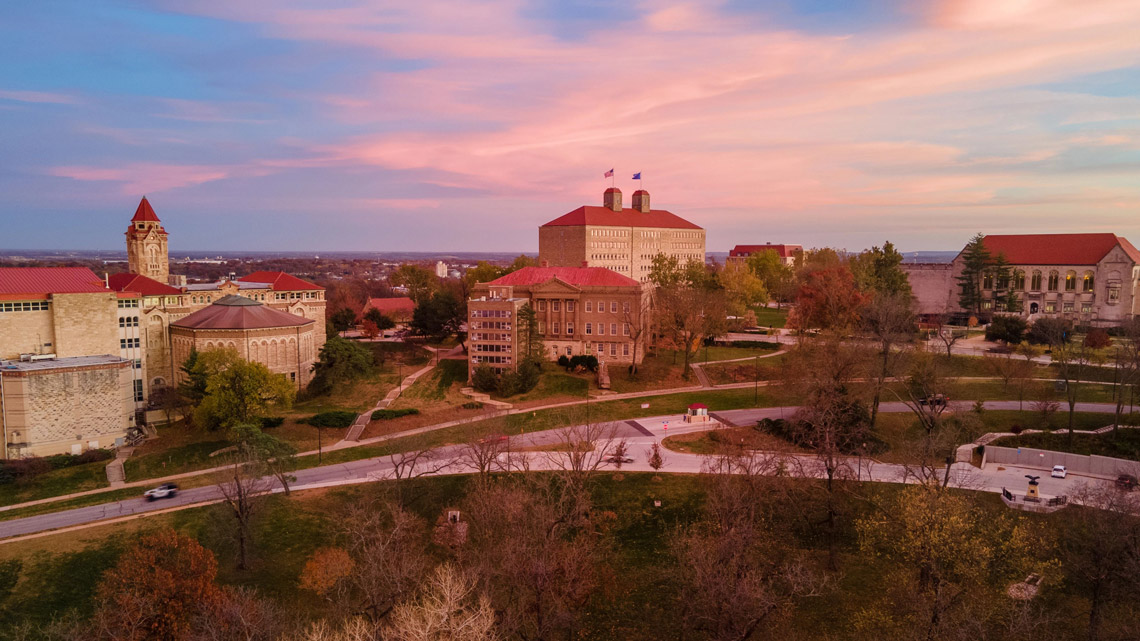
(1057, 249)
(785, 251)
(50, 280)
(280, 281)
(145, 213)
(577, 276)
(606, 217)
(238, 312)
(141, 285)
(389, 305)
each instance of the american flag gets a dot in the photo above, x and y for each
(610, 173)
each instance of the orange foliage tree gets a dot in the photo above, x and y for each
(157, 589)
(827, 298)
(325, 570)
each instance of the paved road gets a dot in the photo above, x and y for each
(639, 434)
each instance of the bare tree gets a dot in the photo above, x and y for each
(948, 335)
(416, 458)
(927, 387)
(243, 491)
(240, 615)
(538, 551)
(484, 450)
(637, 317)
(581, 450)
(1126, 362)
(449, 607)
(1100, 550)
(1072, 361)
(889, 320)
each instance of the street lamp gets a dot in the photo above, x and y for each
(756, 378)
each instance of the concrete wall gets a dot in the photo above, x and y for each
(26, 333)
(1046, 459)
(85, 324)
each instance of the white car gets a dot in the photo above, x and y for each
(1059, 472)
(164, 491)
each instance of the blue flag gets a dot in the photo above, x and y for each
(637, 176)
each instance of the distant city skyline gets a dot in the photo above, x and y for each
(299, 125)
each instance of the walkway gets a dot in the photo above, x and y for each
(116, 475)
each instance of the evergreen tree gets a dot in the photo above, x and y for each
(879, 270)
(532, 347)
(976, 259)
(193, 389)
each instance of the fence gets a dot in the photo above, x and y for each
(1046, 459)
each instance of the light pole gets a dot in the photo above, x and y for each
(318, 445)
(756, 388)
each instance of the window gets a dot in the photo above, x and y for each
(987, 281)
(1113, 295)
(625, 329)
(1003, 282)
(569, 328)
(555, 306)
(1035, 284)
(589, 306)
(137, 364)
(555, 330)
(625, 307)
(601, 306)
(1051, 307)
(625, 349)
(613, 349)
(589, 329)
(987, 304)
(613, 306)
(138, 391)
(1067, 307)
(1053, 281)
(1019, 281)
(1086, 308)
(128, 343)
(569, 350)
(1070, 282)
(1088, 284)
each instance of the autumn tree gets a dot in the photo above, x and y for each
(827, 298)
(888, 319)
(743, 289)
(243, 491)
(637, 316)
(1100, 552)
(369, 330)
(1073, 362)
(239, 391)
(950, 561)
(156, 589)
(537, 549)
(776, 275)
(379, 319)
(656, 460)
(420, 282)
(449, 607)
(482, 272)
(689, 304)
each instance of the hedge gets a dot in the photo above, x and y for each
(331, 419)
(384, 415)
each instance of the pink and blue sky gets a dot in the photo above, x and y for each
(367, 125)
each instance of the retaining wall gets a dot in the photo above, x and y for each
(1046, 459)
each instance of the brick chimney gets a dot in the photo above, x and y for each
(640, 201)
(612, 199)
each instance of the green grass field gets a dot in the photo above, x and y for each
(67, 480)
(1124, 444)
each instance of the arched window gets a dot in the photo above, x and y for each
(1053, 281)
(987, 281)
(1035, 283)
(1088, 283)
(1019, 280)
(1071, 281)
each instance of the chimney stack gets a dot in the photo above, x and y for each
(612, 199)
(640, 201)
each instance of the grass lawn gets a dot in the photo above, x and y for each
(771, 317)
(79, 478)
(1125, 444)
(726, 439)
(769, 369)
(638, 599)
(717, 353)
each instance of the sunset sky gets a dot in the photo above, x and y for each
(366, 125)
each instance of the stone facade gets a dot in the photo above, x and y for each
(147, 245)
(286, 351)
(622, 240)
(62, 324)
(66, 405)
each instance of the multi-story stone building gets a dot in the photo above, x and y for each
(787, 253)
(1091, 279)
(579, 310)
(622, 240)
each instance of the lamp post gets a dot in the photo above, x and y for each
(318, 445)
(756, 387)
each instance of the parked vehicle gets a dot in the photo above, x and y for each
(619, 459)
(1059, 472)
(1126, 482)
(164, 491)
(934, 400)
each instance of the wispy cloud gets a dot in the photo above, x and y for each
(38, 97)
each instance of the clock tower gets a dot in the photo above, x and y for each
(146, 245)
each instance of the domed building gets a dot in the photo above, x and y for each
(285, 343)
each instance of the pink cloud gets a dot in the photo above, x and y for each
(143, 178)
(38, 97)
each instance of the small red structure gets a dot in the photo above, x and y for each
(697, 413)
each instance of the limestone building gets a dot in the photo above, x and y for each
(579, 310)
(1090, 279)
(624, 240)
(285, 343)
(787, 253)
(147, 253)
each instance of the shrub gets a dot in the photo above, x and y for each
(270, 422)
(563, 361)
(473, 405)
(589, 363)
(1097, 339)
(384, 415)
(1047, 330)
(510, 384)
(1016, 429)
(1007, 329)
(484, 379)
(331, 419)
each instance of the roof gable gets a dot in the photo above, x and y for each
(383, 305)
(144, 213)
(141, 285)
(1057, 249)
(606, 217)
(236, 312)
(576, 276)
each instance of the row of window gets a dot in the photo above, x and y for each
(34, 306)
(128, 303)
(490, 336)
(602, 329)
(490, 313)
(491, 359)
(490, 325)
(556, 306)
(128, 321)
(1088, 283)
(492, 348)
(609, 232)
(128, 343)
(138, 391)
(599, 349)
